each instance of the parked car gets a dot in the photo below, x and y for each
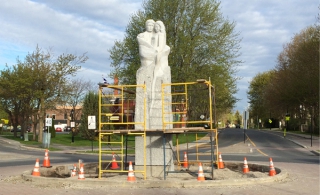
(19, 129)
(238, 126)
(58, 129)
(67, 129)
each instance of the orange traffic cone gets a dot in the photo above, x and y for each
(46, 160)
(81, 172)
(131, 176)
(74, 171)
(272, 171)
(220, 164)
(185, 160)
(200, 173)
(36, 170)
(114, 164)
(245, 166)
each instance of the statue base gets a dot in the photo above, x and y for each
(157, 159)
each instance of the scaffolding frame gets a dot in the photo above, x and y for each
(105, 114)
(185, 104)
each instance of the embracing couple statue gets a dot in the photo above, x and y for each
(150, 111)
(152, 45)
(154, 70)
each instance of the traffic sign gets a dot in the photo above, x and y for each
(48, 122)
(270, 121)
(91, 122)
(287, 117)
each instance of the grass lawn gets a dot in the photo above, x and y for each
(65, 140)
(303, 133)
(61, 139)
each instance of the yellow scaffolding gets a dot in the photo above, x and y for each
(106, 125)
(182, 101)
(114, 107)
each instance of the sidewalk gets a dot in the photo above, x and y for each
(299, 139)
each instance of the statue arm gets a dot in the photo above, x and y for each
(142, 42)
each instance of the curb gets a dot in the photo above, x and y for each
(121, 181)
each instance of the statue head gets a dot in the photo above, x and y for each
(162, 27)
(157, 27)
(150, 25)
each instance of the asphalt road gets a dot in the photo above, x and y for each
(264, 145)
(301, 164)
(18, 156)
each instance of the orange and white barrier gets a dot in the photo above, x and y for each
(220, 163)
(272, 171)
(46, 160)
(185, 161)
(200, 173)
(245, 166)
(131, 176)
(36, 169)
(81, 172)
(74, 171)
(114, 164)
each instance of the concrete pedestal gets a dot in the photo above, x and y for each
(156, 158)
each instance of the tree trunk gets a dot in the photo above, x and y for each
(41, 119)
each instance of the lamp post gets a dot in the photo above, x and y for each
(72, 125)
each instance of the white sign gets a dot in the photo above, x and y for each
(91, 122)
(73, 124)
(48, 122)
(245, 117)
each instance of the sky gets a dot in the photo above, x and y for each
(92, 27)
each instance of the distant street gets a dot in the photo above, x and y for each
(265, 145)
(256, 146)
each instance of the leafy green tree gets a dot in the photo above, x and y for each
(3, 115)
(203, 45)
(90, 108)
(295, 87)
(238, 118)
(257, 95)
(35, 84)
(15, 94)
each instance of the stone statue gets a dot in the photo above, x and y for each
(146, 49)
(154, 70)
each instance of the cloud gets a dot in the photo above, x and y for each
(66, 26)
(264, 27)
(79, 26)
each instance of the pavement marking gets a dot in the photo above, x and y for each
(255, 146)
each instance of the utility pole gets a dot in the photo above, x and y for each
(72, 125)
